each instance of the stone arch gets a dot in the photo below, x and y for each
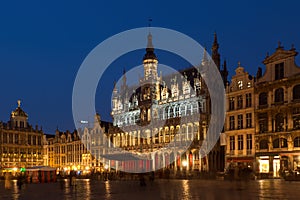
(296, 92)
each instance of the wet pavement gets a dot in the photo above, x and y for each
(159, 189)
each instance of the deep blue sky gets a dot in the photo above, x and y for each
(43, 43)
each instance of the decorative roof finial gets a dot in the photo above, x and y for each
(239, 63)
(279, 45)
(19, 103)
(293, 47)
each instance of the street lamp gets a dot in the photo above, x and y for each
(184, 163)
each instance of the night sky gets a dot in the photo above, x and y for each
(43, 43)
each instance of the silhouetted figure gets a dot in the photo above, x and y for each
(142, 180)
(152, 176)
(20, 182)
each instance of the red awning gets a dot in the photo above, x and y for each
(240, 159)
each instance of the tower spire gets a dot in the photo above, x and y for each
(215, 51)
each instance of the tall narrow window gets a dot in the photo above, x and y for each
(232, 143)
(240, 121)
(296, 118)
(231, 103)
(231, 123)
(296, 92)
(248, 120)
(279, 71)
(279, 122)
(248, 100)
(240, 142)
(279, 96)
(240, 102)
(249, 141)
(263, 122)
(263, 98)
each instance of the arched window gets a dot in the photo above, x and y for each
(263, 98)
(297, 142)
(279, 96)
(296, 92)
(279, 120)
(280, 143)
(263, 144)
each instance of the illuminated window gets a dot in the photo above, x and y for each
(240, 84)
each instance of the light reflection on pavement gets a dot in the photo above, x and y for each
(159, 189)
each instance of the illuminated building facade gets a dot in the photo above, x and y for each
(20, 144)
(239, 123)
(66, 152)
(162, 110)
(80, 152)
(277, 114)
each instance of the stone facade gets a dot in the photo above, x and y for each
(277, 114)
(20, 143)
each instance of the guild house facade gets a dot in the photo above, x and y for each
(20, 143)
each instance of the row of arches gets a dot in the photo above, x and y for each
(279, 143)
(162, 135)
(178, 110)
(279, 95)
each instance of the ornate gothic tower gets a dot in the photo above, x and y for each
(150, 84)
(150, 61)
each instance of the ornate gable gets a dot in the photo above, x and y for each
(280, 54)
